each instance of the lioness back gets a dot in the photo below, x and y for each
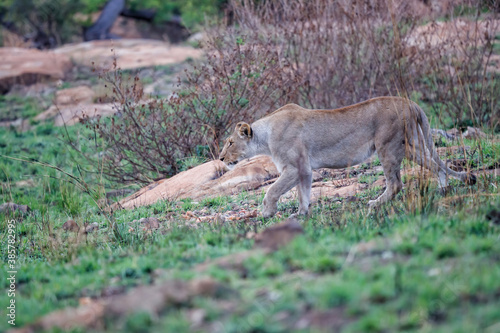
(348, 133)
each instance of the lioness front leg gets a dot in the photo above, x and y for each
(288, 179)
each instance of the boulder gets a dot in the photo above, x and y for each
(206, 180)
(28, 66)
(247, 175)
(72, 104)
(176, 187)
(71, 114)
(10, 207)
(474, 133)
(129, 53)
(76, 95)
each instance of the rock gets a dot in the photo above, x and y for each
(91, 227)
(25, 183)
(474, 133)
(29, 66)
(11, 207)
(247, 175)
(89, 316)
(176, 187)
(234, 261)
(153, 299)
(130, 53)
(279, 234)
(453, 133)
(71, 104)
(36, 90)
(439, 133)
(72, 96)
(326, 190)
(150, 223)
(197, 38)
(71, 114)
(71, 225)
(206, 180)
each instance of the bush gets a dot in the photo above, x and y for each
(149, 140)
(346, 52)
(48, 23)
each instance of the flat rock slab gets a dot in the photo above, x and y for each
(71, 114)
(29, 66)
(210, 179)
(129, 53)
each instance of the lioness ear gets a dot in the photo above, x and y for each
(244, 130)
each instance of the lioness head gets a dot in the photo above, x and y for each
(236, 147)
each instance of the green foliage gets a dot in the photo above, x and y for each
(50, 21)
(192, 12)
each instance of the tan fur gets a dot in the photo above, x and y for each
(300, 140)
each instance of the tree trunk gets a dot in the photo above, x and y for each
(100, 29)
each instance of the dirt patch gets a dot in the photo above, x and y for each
(279, 234)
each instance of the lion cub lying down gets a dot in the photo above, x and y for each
(300, 140)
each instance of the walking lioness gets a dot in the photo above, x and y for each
(300, 140)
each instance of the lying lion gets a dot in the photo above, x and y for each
(300, 140)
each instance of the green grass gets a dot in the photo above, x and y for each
(425, 262)
(437, 271)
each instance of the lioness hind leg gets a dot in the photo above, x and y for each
(288, 179)
(304, 190)
(391, 163)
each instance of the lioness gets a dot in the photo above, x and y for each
(300, 140)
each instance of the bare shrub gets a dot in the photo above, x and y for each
(348, 51)
(450, 66)
(152, 138)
